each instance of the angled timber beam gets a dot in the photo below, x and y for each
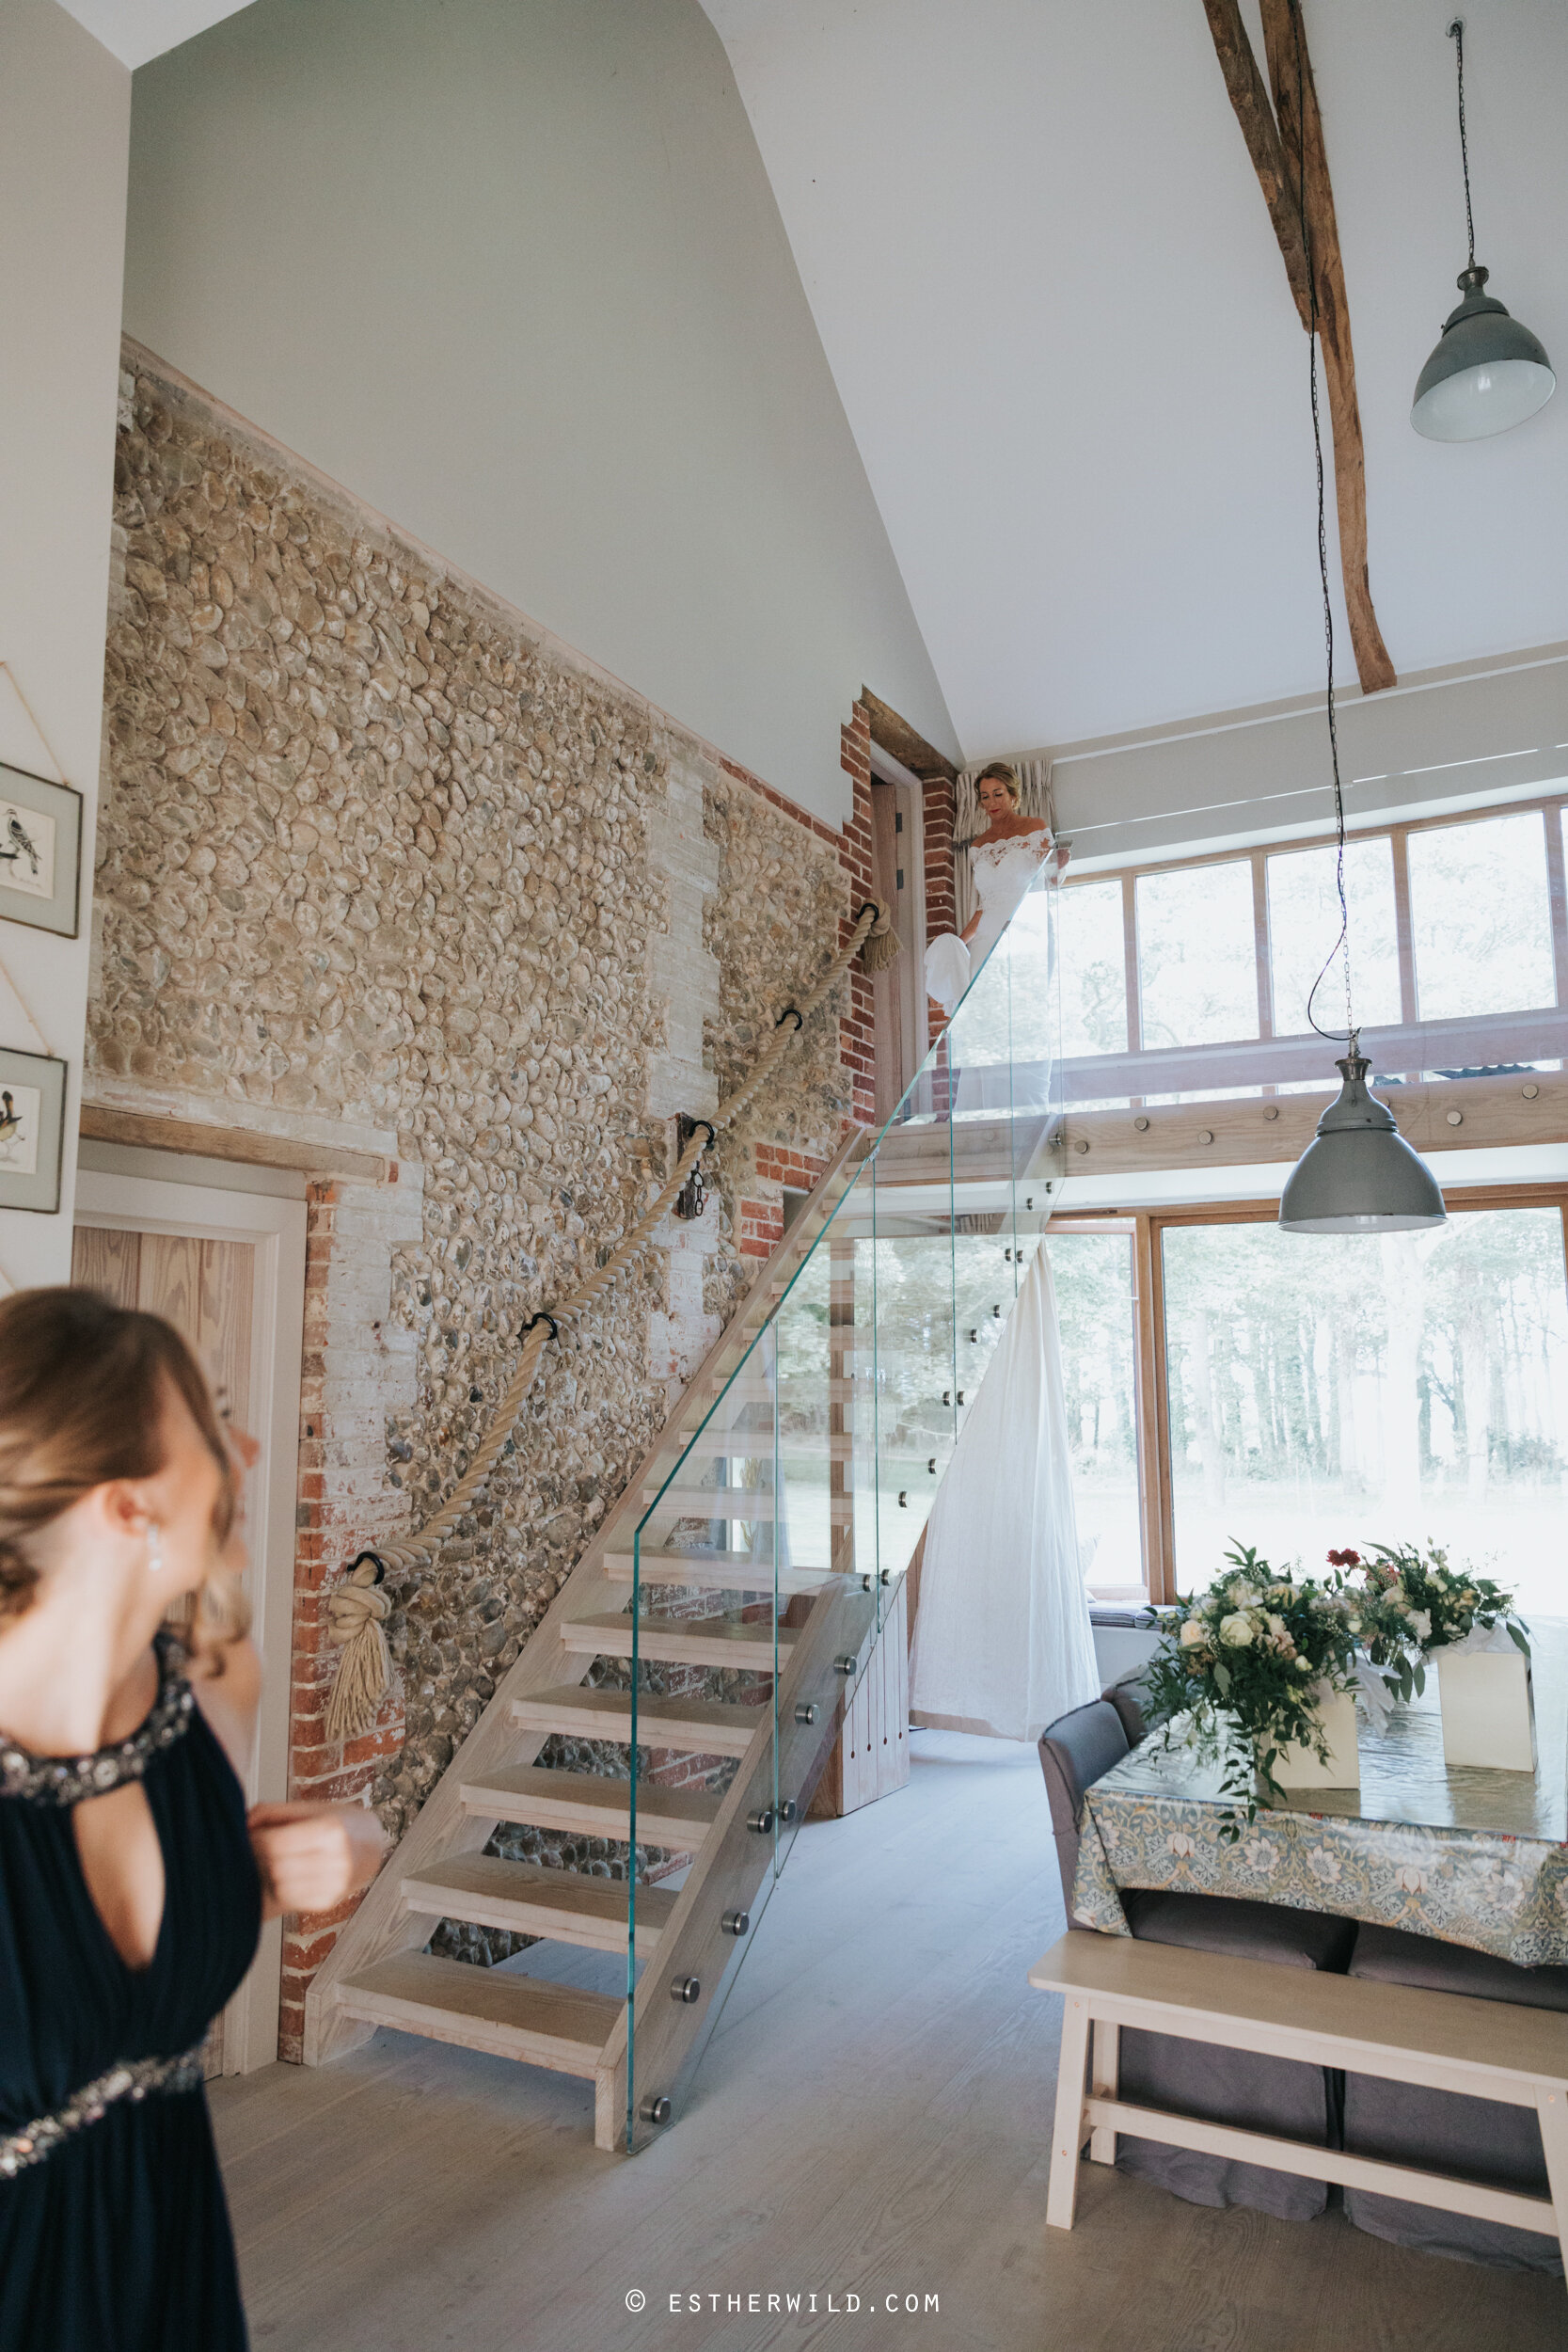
(1275, 136)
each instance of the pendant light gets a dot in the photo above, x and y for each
(1358, 1175)
(1488, 372)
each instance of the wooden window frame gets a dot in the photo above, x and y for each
(1146, 1229)
(1287, 1047)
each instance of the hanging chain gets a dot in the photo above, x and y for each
(1342, 943)
(1456, 34)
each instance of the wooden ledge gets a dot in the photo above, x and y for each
(148, 1131)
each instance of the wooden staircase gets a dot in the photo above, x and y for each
(685, 1938)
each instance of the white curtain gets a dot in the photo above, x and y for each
(1003, 1643)
(1033, 777)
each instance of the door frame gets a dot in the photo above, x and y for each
(276, 1227)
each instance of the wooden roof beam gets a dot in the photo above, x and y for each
(1275, 136)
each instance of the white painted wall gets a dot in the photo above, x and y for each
(65, 110)
(516, 275)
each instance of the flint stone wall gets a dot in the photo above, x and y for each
(378, 859)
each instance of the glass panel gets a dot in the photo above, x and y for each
(1198, 955)
(1094, 969)
(1304, 924)
(1480, 917)
(1395, 1387)
(1092, 1275)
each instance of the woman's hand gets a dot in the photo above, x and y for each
(970, 927)
(313, 1856)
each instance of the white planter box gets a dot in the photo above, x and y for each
(1301, 1767)
(1488, 1711)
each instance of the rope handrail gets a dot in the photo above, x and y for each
(873, 920)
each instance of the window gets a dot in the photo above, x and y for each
(1304, 924)
(1480, 917)
(1198, 956)
(1303, 1394)
(1452, 922)
(1094, 969)
(1092, 1276)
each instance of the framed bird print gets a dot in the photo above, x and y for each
(32, 1130)
(40, 852)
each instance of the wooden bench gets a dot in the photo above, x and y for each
(1484, 2049)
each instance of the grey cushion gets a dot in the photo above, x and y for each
(1283, 2096)
(1128, 1695)
(1442, 2131)
(1128, 1617)
(1249, 1931)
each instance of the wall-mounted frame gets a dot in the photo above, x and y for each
(40, 852)
(32, 1130)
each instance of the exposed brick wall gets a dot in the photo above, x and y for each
(942, 915)
(858, 1023)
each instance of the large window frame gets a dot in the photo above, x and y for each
(1271, 1058)
(1156, 1499)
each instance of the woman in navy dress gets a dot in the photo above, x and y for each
(132, 1885)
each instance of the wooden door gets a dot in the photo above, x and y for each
(207, 1290)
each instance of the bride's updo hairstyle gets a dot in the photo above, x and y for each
(83, 1384)
(998, 772)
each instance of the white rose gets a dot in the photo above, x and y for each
(1422, 1624)
(1303, 1665)
(1192, 1633)
(1276, 1624)
(1236, 1631)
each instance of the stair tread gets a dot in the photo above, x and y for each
(605, 1714)
(616, 1625)
(719, 1571)
(486, 2009)
(530, 1899)
(601, 1802)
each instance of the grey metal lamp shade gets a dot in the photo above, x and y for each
(1488, 372)
(1358, 1175)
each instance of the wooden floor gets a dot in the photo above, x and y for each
(871, 2120)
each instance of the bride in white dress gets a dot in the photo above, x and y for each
(1004, 862)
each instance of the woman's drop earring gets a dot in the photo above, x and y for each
(154, 1548)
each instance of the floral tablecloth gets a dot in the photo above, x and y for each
(1471, 1857)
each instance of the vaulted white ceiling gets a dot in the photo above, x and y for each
(1040, 266)
(135, 30)
(1050, 298)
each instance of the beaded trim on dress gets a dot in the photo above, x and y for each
(67, 1780)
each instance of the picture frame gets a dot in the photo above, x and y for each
(40, 852)
(32, 1130)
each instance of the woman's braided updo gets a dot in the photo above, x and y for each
(82, 1384)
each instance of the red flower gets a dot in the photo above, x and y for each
(1344, 1559)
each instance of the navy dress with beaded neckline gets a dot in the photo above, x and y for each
(113, 2230)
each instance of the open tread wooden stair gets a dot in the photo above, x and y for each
(377, 1973)
(592, 1803)
(557, 2026)
(700, 1726)
(525, 1898)
(678, 1640)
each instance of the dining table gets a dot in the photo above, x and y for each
(1470, 1856)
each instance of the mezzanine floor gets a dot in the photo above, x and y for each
(872, 2119)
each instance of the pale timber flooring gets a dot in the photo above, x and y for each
(872, 2119)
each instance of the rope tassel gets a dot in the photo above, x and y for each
(357, 1612)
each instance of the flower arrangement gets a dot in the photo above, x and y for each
(1413, 1604)
(1249, 1657)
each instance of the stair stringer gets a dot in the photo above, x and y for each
(384, 1924)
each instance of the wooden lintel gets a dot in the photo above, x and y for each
(1301, 134)
(148, 1133)
(1273, 137)
(897, 736)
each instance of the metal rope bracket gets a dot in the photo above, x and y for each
(691, 1199)
(541, 1317)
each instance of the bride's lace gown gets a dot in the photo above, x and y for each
(1002, 872)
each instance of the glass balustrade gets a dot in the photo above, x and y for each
(770, 1559)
